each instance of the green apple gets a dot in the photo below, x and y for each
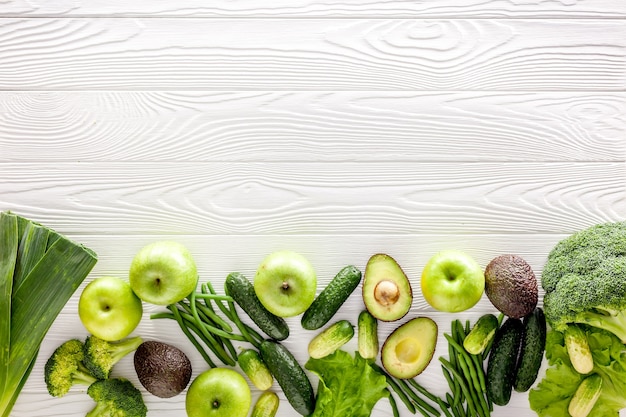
(285, 283)
(163, 273)
(109, 309)
(218, 392)
(452, 281)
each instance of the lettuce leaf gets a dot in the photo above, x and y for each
(553, 393)
(348, 386)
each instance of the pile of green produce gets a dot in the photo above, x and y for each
(585, 305)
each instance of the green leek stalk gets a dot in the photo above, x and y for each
(39, 271)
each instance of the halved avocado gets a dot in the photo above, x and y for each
(387, 292)
(409, 349)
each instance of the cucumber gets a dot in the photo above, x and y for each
(331, 298)
(367, 335)
(531, 352)
(255, 369)
(242, 291)
(481, 335)
(266, 405)
(330, 339)
(502, 362)
(289, 375)
(585, 396)
(578, 349)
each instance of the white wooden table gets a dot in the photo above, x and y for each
(334, 128)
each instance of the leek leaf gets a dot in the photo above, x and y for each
(8, 257)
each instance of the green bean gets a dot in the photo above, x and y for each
(176, 316)
(394, 405)
(472, 380)
(480, 371)
(391, 382)
(466, 391)
(443, 406)
(209, 296)
(419, 402)
(423, 390)
(214, 344)
(205, 322)
(208, 312)
(454, 386)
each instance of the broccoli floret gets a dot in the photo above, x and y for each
(116, 397)
(585, 280)
(102, 355)
(65, 369)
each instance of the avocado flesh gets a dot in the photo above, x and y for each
(387, 292)
(409, 349)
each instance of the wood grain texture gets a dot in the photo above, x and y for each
(316, 8)
(218, 255)
(316, 198)
(312, 126)
(313, 54)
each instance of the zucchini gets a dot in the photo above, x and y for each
(289, 375)
(531, 351)
(242, 291)
(585, 396)
(331, 298)
(266, 405)
(481, 335)
(502, 362)
(367, 335)
(255, 369)
(330, 339)
(578, 349)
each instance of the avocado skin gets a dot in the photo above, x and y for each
(162, 369)
(511, 285)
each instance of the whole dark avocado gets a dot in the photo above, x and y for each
(162, 369)
(511, 285)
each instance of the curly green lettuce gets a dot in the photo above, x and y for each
(348, 386)
(553, 393)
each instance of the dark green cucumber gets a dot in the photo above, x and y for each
(502, 362)
(255, 369)
(331, 298)
(289, 375)
(532, 349)
(242, 291)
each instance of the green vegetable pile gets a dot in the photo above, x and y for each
(90, 364)
(39, 271)
(585, 305)
(552, 396)
(585, 280)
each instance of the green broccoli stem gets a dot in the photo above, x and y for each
(124, 347)
(613, 321)
(101, 409)
(82, 376)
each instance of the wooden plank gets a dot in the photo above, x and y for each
(315, 198)
(312, 126)
(310, 54)
(316, 8)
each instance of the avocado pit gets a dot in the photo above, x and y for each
(386, 293)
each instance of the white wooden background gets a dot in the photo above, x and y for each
(334, 128)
